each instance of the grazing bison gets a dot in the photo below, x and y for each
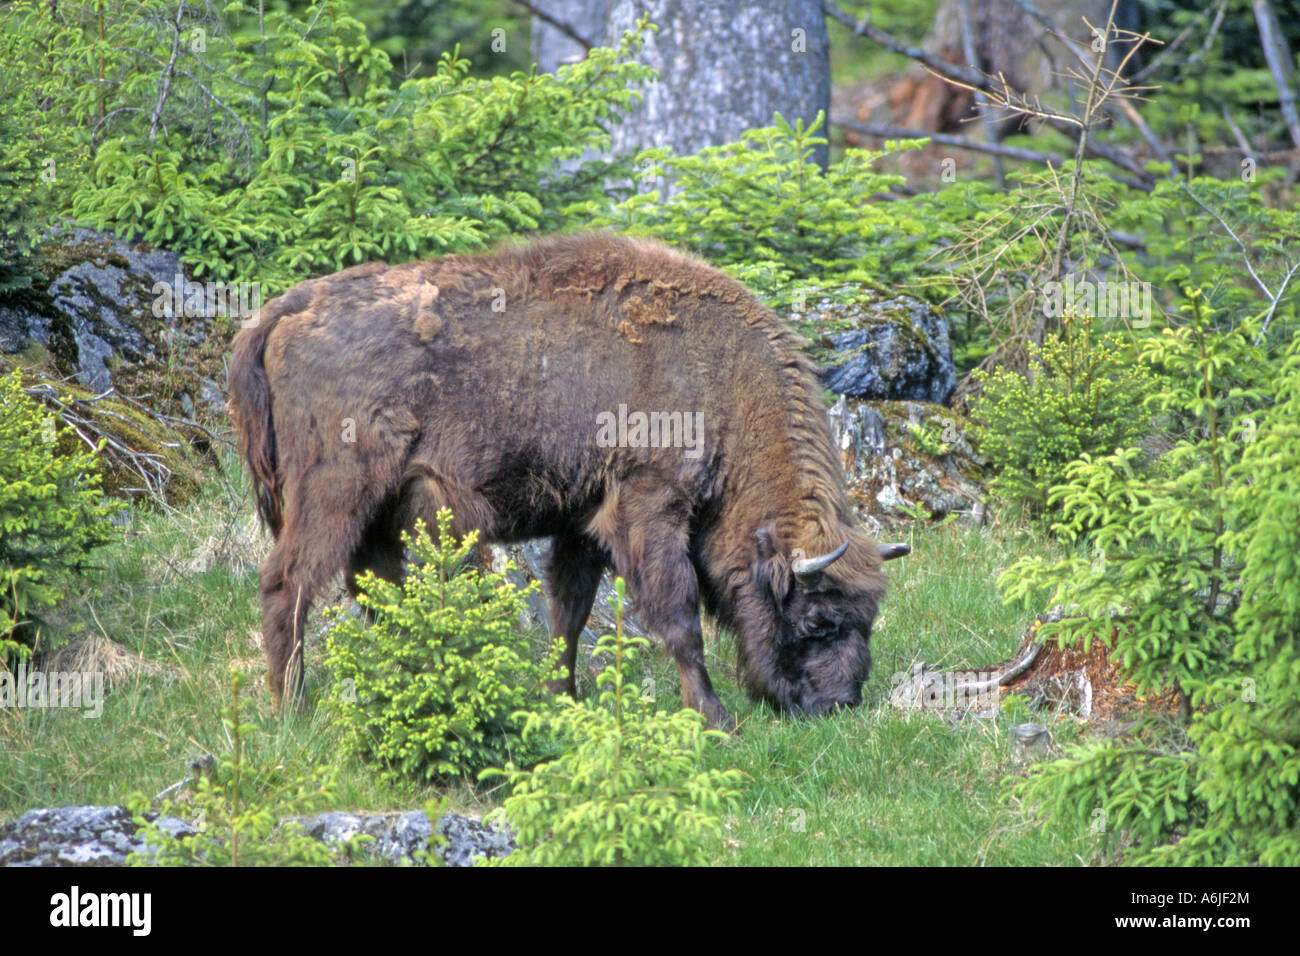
(634, 405)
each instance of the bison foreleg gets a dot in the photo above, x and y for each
(685, 641)
(654, 558)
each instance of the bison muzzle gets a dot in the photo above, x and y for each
(539, 391)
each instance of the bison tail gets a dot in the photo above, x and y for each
(250, 406)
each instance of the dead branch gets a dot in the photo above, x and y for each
(1273, 297)
(881, 131)
(1177, 41)
(1242, 143)
(559, 24)
(1278, 58)
(86, 421)
(939, 65)
(165, 82)
(999, 94)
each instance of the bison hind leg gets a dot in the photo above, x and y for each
(573, 574)
(330, 510)
(380, 550)
(426, 490)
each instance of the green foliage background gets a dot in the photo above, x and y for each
(52, 513)
(761, 208)
(1191, 566)
(1082, 396)
(270, 149)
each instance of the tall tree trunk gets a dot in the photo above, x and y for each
(725, 66)
(552, 46)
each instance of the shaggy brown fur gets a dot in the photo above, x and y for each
(366, 399)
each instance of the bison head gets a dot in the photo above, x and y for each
(807, 625)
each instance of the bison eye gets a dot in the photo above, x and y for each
(820, 629)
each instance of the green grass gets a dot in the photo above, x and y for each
(176, 596)
(877, 786)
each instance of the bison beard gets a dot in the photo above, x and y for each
(369, 398)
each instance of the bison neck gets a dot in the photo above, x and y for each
(780, 473)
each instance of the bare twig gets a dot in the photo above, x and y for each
(1272, 306)
(203, 88)
(1210, 34)
(1177, 41)
(1002, 96)
(171, 420)
(1279, 62)
(552, 20)
(76, 414)
(882, 131)
(1237, 134)
(1092, 148)
(216, 101)
(1273, 298)
(981, 101)
(1050, 27)
(165, 83)
(1140, 124)
(94, 130)
(1096, 95)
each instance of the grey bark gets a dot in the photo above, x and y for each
(725, 66)
(552, 47)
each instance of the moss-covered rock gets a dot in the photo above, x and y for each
(101, 320)
(95, 346)
(868, 346)
(144, 454)
(907, 460)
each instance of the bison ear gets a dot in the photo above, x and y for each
(771, 568)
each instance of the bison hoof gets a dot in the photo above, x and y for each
(718, 717)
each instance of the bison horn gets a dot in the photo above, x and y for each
(804, 567)
(890, 551)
